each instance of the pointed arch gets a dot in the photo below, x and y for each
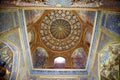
(79, 58)
(39, 57)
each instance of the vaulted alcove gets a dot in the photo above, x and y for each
(60, 33)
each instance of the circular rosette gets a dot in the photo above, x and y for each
(60, 30)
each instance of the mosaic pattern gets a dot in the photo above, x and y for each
(63, 3)
(79, 59)
(60, 38)
(109, 62)
(39, 58)
(65, 72)
(60, 28)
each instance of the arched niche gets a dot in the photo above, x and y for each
(59, 62)
(79, 59)
(9, 55)
(39, 57)
(110, 62)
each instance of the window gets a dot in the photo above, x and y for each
(59, 62)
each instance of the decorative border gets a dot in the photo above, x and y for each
(56, 71)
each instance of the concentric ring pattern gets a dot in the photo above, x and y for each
(60, 30)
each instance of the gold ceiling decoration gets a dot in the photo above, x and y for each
(60, 30)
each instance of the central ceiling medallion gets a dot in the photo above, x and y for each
(60, 28)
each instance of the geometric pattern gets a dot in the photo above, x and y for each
(60, 30)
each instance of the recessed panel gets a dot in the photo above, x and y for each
(60, 33)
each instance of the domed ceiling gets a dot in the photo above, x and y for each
(60, 33)
(60, 30)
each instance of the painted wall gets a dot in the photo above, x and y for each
(106, 65)
(10, 33)
(13, 32)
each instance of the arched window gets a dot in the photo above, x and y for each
(39, 57)
(79, 59)
(59, 62)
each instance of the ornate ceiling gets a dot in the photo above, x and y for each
(63, 31)
(59, 3)
(62, 3)
(60, 30)
(60, 33)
